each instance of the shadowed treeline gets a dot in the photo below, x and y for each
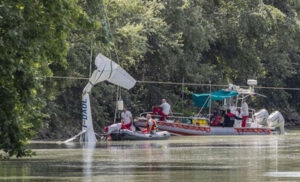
(196, 41)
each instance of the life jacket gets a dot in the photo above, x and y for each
(217, 121)
(229, 120)
(231, 116)
(153, 126)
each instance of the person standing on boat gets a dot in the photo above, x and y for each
(126, 119)
(163, 110)
(244, 113)
(151, 124)
(229, 119)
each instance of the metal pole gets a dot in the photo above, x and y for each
(182, 94)
(91, 59)
(116, 107)
(209, 101)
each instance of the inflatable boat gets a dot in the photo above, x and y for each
(125, 134)
(116, 133)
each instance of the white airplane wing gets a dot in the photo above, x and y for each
(110, 71)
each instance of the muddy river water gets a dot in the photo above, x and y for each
(200, 158)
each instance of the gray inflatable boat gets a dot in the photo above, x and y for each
(124, 134)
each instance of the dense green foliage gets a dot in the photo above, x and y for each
(217, 41)
(33, 37)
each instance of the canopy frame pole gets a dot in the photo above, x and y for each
(116, 107)
(203, 106)
(237, 101)
(209, 110)
(182, 95)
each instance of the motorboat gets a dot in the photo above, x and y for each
(258, 123)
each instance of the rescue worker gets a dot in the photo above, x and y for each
(216, 118)
(163, 110)
(229, 119)
(244, 113)
(126, 119)
(151, 124)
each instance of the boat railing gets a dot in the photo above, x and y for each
(177, 117)
(173, 115)
(180, 117)
(250, 110)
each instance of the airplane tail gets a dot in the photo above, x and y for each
(87, 122)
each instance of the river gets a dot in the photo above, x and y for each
(200, 158)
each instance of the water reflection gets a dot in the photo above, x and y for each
(87, 154)
(213, 158)
(294, 174)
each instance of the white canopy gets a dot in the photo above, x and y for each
(110, 71)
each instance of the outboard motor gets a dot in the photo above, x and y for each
(276, 120)
(261, 117)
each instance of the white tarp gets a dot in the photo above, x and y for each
(110, 71)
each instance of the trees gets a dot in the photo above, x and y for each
(33, 38)
(136, 33)
(200, 41)
(219, 41)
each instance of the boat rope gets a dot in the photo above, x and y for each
(176, 83)
(109, 38)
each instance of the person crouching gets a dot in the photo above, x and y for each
(151, 124)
